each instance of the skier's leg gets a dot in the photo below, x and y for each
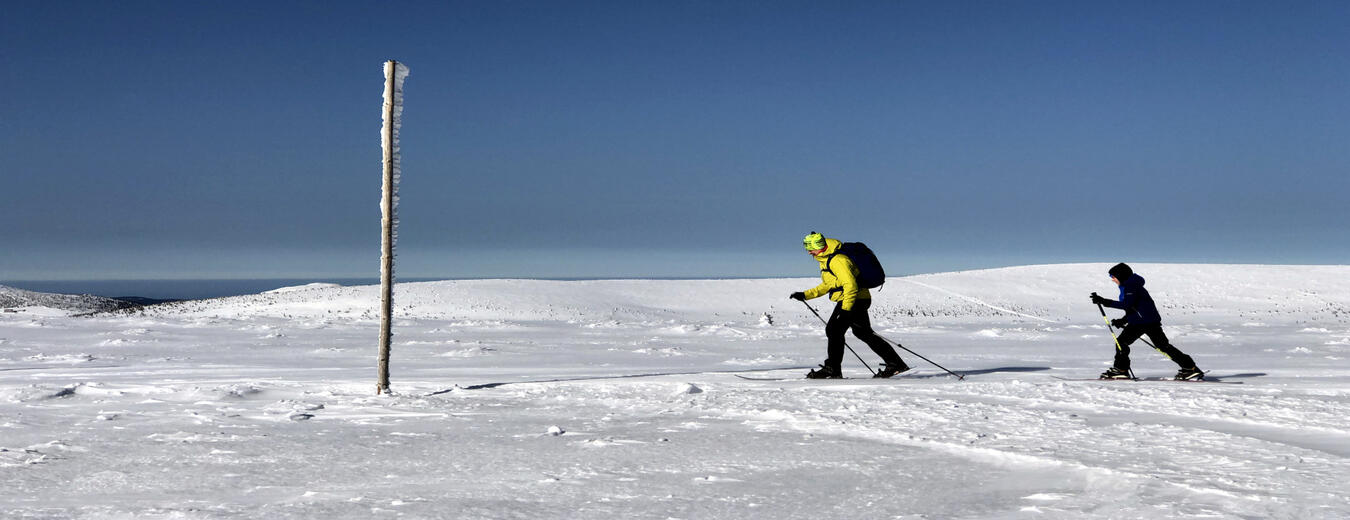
(1160, 342)
(862, 329)
(1127, 336)
(834, 333)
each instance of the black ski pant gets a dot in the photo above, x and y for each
(1154, 331)
(841, 321)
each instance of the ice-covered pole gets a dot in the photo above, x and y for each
(394, 74)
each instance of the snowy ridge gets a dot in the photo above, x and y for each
(11, 298)
(1034, 294)
(264, 405)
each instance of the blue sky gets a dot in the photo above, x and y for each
(668, 139)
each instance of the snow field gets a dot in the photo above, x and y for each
(604, 399)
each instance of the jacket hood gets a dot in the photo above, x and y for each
(1133, 281)
(831, 247)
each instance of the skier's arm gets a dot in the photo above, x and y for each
(848, 283)
(826, 286)
(1127, 301)
(819, 290)
(1097, 299)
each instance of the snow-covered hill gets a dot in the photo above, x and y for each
(608, 399)
(1037, 294)
(13, 299)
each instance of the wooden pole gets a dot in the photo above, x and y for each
(392, 110)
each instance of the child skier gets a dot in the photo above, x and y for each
(839, 279)
(1141, 318)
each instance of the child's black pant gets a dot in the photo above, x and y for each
(1154, 332)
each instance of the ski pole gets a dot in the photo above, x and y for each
(920, 356)
(1108, 326)
(1160, 351)
(1113, 336)
(850, 349)
(1112, 330)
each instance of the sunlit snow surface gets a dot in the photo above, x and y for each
(621, 399)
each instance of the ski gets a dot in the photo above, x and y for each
(1150, 379)
(802, 378)
(1190, 380)
(830, 379)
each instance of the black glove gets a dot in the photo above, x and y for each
(799, 296)
(1120, 323)
(1098, 299)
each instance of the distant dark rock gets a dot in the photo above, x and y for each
(141, 301)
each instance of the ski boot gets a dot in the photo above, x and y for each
(824, 372)
(1190, 374)
(1115, 373)
(888, 370)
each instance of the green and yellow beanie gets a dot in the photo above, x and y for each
(814, 241)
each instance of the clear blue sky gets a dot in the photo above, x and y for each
(150, 139)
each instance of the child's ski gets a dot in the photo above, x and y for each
(1150, 379)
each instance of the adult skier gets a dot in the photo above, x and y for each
(838, 279)
(1141, 318)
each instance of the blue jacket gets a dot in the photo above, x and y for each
(1135, 300)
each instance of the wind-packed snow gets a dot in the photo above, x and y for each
(621, 399)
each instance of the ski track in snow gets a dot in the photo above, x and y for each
(263, 406)
(977, 301)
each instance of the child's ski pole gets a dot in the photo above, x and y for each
(1113, 335)
(1112, 330)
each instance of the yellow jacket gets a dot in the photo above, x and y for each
(839, 279)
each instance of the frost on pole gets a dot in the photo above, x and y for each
(393, 120)
(394, 74)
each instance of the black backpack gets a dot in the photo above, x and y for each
(870, 273)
